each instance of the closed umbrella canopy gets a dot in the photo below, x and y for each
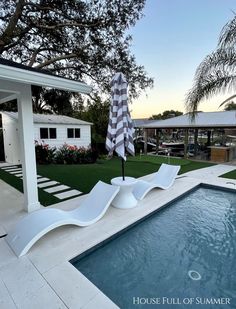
(120, 127)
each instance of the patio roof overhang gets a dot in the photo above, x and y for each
(15, 83)
(23, 75)
(202, 120)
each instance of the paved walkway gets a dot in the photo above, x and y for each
(55, 188)
(44, 278)
(211, 171)
(233, 162)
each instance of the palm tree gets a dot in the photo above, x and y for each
(230, 106)
(217, 72)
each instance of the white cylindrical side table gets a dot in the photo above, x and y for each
(125, 198)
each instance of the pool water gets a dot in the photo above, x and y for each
(186, 250)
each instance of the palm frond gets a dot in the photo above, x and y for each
(217, 72)
(221, 59)
(208, 86)
(228, 34)
(227, 100)
(214, 75)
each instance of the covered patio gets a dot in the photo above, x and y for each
(208, 121)
(15, 84)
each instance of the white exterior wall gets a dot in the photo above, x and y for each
(11, 140)
(11, 137)
(83, 141)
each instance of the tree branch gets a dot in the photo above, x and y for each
(75, 68)
(8, 33)
(68, 24)
(50, 61)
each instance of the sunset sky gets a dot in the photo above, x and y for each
(171, 40)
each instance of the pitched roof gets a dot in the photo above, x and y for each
(223, 119)
(54, 119)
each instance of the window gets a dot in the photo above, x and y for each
(52, 133)
(48, 133)
(43, 133)
(77, 133)
(73, 133)
(70, 133)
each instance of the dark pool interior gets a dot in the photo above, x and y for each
(185, 250)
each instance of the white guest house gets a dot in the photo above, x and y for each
(54, 130)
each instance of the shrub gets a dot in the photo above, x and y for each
(68, 154)
(65, 155)
(44, 153)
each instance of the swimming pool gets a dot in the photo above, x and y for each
(183, 254)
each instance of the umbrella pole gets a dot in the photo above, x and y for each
(123, 162)
(123, 168)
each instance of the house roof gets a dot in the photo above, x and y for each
(223, 119)
(16, 72)
(138, 123)
(54, 119)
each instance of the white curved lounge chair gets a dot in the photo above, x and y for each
(36, 224)
(163, 178)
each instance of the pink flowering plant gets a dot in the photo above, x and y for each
(68, 154)
(44, 153)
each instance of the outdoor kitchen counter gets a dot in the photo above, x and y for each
(221, 153)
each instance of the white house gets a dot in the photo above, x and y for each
(54, 130)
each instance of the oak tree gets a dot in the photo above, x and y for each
(85, 40)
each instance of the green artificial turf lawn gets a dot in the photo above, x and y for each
(44, 197)
(231, 175)
(84, 176)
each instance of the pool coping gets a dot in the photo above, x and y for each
(48, 261)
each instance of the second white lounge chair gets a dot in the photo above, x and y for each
(163, 178)
(36, 224)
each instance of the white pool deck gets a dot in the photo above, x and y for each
(44, 278)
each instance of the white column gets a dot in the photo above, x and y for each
(26, 134)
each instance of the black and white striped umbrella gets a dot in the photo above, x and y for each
(120, 127)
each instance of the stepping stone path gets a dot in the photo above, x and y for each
(56, 189)
(42, 179)
(44, 183)
(47, 184)
(67, 194)
(38, 176)
(14, 172)
(9, 167)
